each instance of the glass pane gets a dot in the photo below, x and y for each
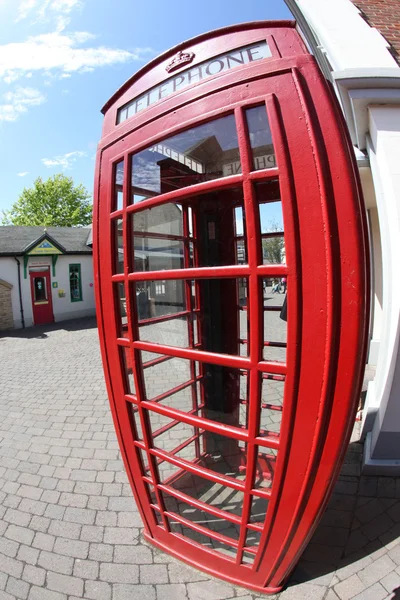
(217, 394)
(135, 423)
(199, 154)
(275, 322)
(118, 246)
(202, 518)
(271, 218)
(158, 298)
(203, 540)
(260, 138)
(40, 289)
(212, 451)
(127, 370)
(271, 404)
(122, 319)
(160, 240)
(218, 326)
(265, 467)
(118, 186)
(258, 510)
(214, 494)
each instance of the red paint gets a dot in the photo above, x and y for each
(42, 304)
(326, 270)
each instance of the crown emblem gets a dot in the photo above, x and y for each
(179, 59)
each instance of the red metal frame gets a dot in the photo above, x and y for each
(327, 274)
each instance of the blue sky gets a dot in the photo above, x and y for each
(60, 60)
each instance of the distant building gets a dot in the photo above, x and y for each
(46, 275)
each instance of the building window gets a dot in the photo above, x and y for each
(75, 283)
(160, 288)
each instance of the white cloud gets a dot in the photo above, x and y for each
(17, 102)
(65, 161)
(58, 54)
(24, 174)
(43, 10)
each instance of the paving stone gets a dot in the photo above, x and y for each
(91, 533)
(107, 518)
(172, 591)
(97, 590)
(55, 562)
(135, 555)
(63, 583)
(77, 549)
(10, 566)
(34, 575)
(120, 535)
(101, 552)
(17, 587)
(351, 565)
(87, 569)
(83, 516)
(39, 524)
(43, 541)
(375, 592)
(210, 590)
(133, 592)
(376, 570)
(391, 582)
(6, 596)
(303, 591)
(37, 593)
(153, 574)
(63, 529)
(119, 573)
(9, 547)
(394, 554)
(349, 587)
(181, 573)
(17, 517)
(28, 555)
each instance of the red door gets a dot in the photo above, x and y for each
(231, 273)
(42, 304)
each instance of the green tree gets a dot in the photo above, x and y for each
(56, 202)
(274, 246)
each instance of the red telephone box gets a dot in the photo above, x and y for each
(231, 272)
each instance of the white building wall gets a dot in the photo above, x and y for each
(367, 82)
(63, 308)
(346, 38)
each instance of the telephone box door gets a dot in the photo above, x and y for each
(231, 267)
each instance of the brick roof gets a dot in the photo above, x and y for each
(14, 239)
(384, 15)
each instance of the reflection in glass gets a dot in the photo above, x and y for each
(271, 403)
(118, 186)
(122, 319)
(265, 467)
(210, 391)
(260, 138)
(119, 246)
(199, 154)
(219, 323)
(40, 289)
(127, 369)
(161, 242)
(275, 319)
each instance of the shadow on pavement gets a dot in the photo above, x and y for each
(41, 331)
(359, 533)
